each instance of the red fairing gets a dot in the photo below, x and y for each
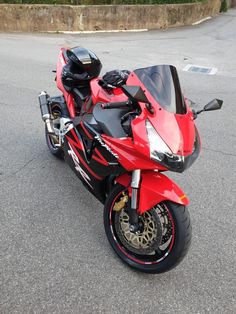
(132, 155)
(68, 97)
(101, 95)
(155, 188)
(177, 130)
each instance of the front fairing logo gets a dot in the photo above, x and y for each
(78, 168)
(103, 144)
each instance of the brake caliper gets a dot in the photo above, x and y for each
(121, 204)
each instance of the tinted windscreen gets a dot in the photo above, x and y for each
(163, 84)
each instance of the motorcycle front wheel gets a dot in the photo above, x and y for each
(162, 240)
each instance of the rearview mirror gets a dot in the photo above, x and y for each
(135, 93)
(215, 104)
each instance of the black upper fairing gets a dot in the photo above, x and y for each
(162, 82)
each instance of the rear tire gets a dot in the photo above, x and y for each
(54, 150)
(53, 140)
(173, 224)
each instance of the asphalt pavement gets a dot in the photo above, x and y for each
(54, 255)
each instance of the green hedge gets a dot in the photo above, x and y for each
(224, 6)
(99, 1)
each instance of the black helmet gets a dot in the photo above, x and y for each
(86, 60)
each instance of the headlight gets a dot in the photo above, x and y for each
(158, 148)
(160, 152)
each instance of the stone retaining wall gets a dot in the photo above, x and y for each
(42, 18)
(231, 3)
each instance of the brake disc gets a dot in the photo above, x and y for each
(149, 236)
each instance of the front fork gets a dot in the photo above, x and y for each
(133, 215)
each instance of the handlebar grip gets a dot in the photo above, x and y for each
(115, 105)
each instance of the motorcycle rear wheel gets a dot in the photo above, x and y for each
(163, 241)
(55, 151)
(53, 140)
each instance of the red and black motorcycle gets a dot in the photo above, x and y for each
(119, 144)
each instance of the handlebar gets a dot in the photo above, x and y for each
(115, 105)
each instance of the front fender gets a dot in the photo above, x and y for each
(155, 188)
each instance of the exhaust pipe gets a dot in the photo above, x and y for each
(46, 115)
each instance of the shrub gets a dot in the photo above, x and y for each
(224, 6)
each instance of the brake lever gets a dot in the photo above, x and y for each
(103, 84)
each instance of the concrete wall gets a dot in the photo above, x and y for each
(34, 18)
(231, 3)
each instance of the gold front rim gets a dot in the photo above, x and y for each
(142, 239)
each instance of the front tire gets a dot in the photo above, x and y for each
(160, 245)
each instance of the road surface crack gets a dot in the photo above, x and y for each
(219, 151)
(23, 167)
(18, 170)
